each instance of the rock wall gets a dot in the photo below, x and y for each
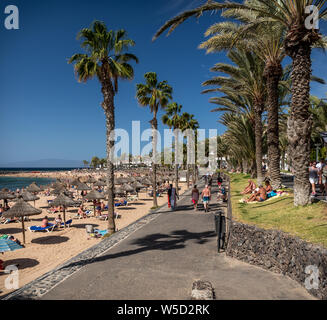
(281, 253)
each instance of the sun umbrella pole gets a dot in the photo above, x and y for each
(64, 217)
(23, 228)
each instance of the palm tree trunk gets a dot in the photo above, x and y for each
(154, 124)
(176, 162)
(258, 139)
(273, 75)
(109, 109)
(300, 123)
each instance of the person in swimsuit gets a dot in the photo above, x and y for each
(206, 195)
(195, 197)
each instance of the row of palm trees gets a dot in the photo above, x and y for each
(107, 58)
(263, 34)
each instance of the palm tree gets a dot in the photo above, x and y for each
(154, 94)
(267, 43)
(173, 120)
(107, 60)
(86, 163)
(188, 122)
(245, 81)
(299, 40)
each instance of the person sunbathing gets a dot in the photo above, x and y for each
(58, 220)
(249, 188)
(81, 213)
(268, 186)
(45, 222)
(260, 195)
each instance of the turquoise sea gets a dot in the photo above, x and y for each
(14, 183)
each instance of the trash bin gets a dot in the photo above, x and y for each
(220, 226)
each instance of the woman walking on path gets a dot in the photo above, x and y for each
(206, 195)
(313, 177)
(172, 195)
(195, 197)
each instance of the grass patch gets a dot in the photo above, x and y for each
(308, 222)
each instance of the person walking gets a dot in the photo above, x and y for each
(206, 195)
(195, 197)
(313, 177)
(172, 195)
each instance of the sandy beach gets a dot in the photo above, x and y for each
(45, 251)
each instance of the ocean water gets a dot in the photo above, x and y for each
(14, 183)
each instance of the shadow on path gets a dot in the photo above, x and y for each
(157, 241)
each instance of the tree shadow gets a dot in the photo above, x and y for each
(23, 263)
(125, 208)
(157, 241)
(50, 240)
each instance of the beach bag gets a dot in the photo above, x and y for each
(271, 194)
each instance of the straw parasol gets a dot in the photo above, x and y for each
(21, 209)
(99, 183)
(82, 187)
(128, 188)
(33, 188)
(27, 196)
(75, 182)
(6, 195)
(146, 182)
(90, 180)
(94, 195)
(119, 191)
(64, 201)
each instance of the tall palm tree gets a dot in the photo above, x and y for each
(156, 95)
(266, 41)
(246, 78)
(106, 58)
(299, 40)
(188, 122)
(173, 120)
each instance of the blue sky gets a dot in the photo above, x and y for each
(46, 113)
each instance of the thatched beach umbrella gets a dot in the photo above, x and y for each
(75, 182)
(128, 188)
(21, 209)
(90, 180)
(64, 201)
(119, 191)
(27, 196)
(99, 183)
(33, 188)
(146, 182)
(83, 187)
(6, 195)
(94, 195)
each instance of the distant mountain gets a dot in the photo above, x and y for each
(45, 163)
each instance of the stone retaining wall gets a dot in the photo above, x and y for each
(281, 253)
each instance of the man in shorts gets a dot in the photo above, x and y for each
(206, 195)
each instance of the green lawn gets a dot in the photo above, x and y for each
(308, 223)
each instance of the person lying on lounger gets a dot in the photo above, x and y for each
(249, 188)
(45, 222)
(268, 186)
(260, 195)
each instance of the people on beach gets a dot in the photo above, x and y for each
(249, 188)
(81, 213)
(58, 220)
(323, 174)
(45, 222)
(195, 196)
(206, 195)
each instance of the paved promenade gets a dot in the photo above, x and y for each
(162, 259)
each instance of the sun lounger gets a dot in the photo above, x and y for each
(119, 204)
(68, 223)
(49, 228)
